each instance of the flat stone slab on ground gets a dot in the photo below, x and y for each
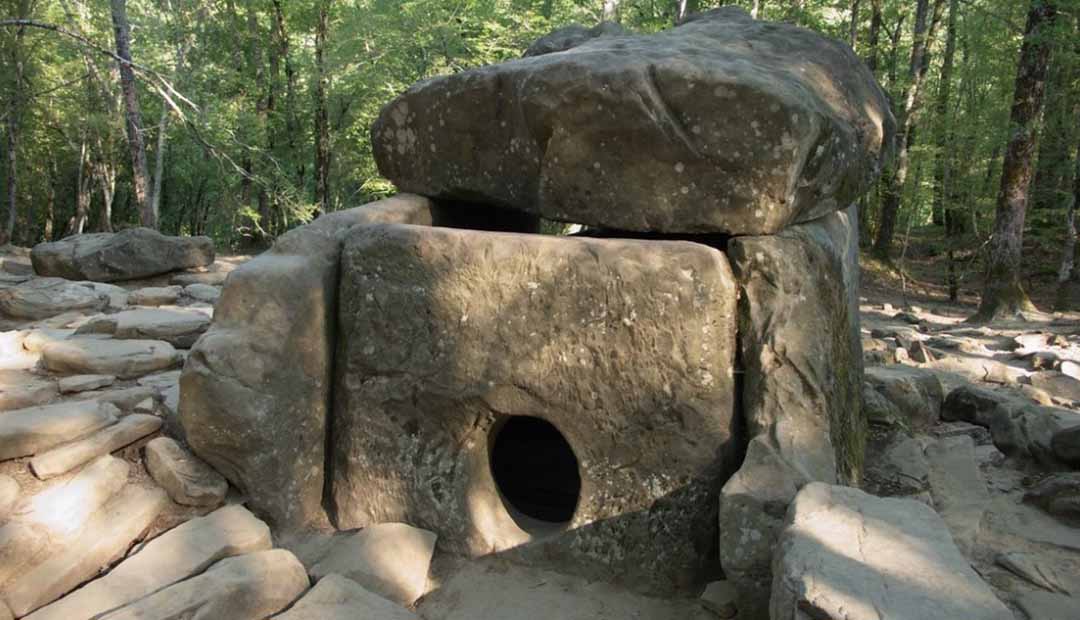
(180, 327)
(1049, 606)
(25, 432)
(155, 296)
(20, 389)
(126, 359)
(106, 538)
(246, 587)
(182, 552)
(390, 559)
(84, 383)
(186, 478)
(203, 292)
(67, 457)
(126, 255)
(847, 554)
(213, 278)
(337, 598)
(958, 487)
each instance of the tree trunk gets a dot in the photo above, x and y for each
(1054, 163)
(926, 22)
(685, 8)
(132, 114)
(82, 194)
(7, 232)
(610, 11)
(1003, 294)
(755, 9)
(853, 28)
(50, 203)
(1067, 272)
(322, 123)
(945, 136)
(875, 36)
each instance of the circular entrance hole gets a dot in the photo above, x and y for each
(536, 472)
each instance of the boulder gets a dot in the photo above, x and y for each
(256, 387)
(104, 539)
(1066, 445)
(187, 479)
(126, 255)
(336, 598)
(20, 389)
(390, 559)
(802, 384)
(180, 327)
(67, 457)
(1058, 494)
(126, 359)
(571, 36)
(1057, 384)
(203, 292)
(612, 360)
(182, 552)
(846, 554)
(917, 393)
(246, 587)
(25, 432)
(722, 124)
(41, 298)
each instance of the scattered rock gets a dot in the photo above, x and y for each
(336, 598)
(1070, 368)
(84, 383)
(811, 139)
(155, 296)
(146, 406)
(880, 411)
(125, 255)
(901, 469)
(917, 393)
(213, 278)
(1047, 606)
(126, 359)
(1041, 397)
(104, 539)
(203, 292)
(179, 327)
(1058, 494)
(182, 552)
(921, 353)
(246, 587)
(390, 559)
(109, 439)
(9, 495)
(41, 298)
(1057, 384)
(1066, 445)
(25, 432)
(1006, 517)
(125, 398)
(20, 389)
(187, 479)
(846, 554)
(958, 487)
(1029, 566)
(719, 597)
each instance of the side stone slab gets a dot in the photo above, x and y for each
(256, 388)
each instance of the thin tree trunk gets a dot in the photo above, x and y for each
(1003, 294)
(685, 8)
(1066, 273)
(1054, 163)
(853, 28)
(945, 136)
(132, 114)
(159, 163)
(50, 203)
(14, 112)
(610, 11)
(322, 125)
(875, 35)
(926, 22)
(755, 9)
(82, 194)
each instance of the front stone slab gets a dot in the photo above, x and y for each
(569, 399)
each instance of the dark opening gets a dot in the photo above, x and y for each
(535, 469)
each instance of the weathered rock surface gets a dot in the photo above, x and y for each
(105, 538)
(1057, 384)
(124, 399)
(478, 334)
(125, 359)
(255, 390)
(1058, 495)
(336, 598)
(186, 478)
(1030, 567)
(203, 292)
(247, 587)
(9, 495)
(958, 488)
(182, 552)
(390, 559)
(1047, 606)
(155, 296)
(1066, 445)
(917, 393)
(214, 278)
(20, 389)
(67, 457)
(125, 255)
(623, 132)
(900, 469)
(41, 298)
(179, 327)
(84, 383)
(799, 328)
(846, 554)
(25, 432)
